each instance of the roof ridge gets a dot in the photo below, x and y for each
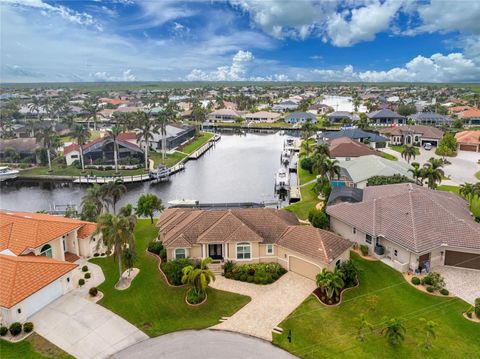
(216, 223)
(414, 230)
(322, 243)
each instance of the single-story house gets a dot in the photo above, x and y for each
(37, 255)
(386, 117)
(249, 236)
(25, 147)
(300, 117)
(341, 116)
(357, 171)
(468, 140)
(345, 148)
(175, 136)
(319, 109)
(262, 116)
(470, 117)
(430, 118)
(374, 140)
(283, 106)
(409, 226)
(413, 135)
(223, 115)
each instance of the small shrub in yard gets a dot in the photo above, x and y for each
(93, 291)
(243, 277)
(258, 273)
(173, 269)
(27, 327)
(194, 298)
(81, 282)
(416, 280)
(469, 313)
(15, 328)
(163, 254)
(85, 269)
(155, 247)
(96, 254)
(477, 307)
(444, 291)
(87, 275)
(3, 331)
(434, 280)
(430, 289)
(364, 249)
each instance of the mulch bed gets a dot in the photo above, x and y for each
(336, 299)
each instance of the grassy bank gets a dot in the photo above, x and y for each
(321, 332)
(151, 304)
(308, 202)
(196, 142)
(34, 347)
(58, 170)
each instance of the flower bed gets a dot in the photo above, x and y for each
(432, 283)
(194, 299)
(258, 273)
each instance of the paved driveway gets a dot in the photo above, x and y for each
(464, 283)
(203, 344)
(82, 328)
(270, 304)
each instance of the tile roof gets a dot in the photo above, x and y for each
(425, 131)
(24, 275)
(21, 230)
(468, 137)
(415, 217)
(346, 147)
(471, 113)
(384, 113)
(354, 133)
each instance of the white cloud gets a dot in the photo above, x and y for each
(128, 75)
(237, 71)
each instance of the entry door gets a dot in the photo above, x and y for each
(215, 251)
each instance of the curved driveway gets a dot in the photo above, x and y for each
(203, 344)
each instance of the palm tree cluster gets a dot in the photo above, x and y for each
(100, 198)
(323, 165)
(470, 191)
(198, 278)
(330, 282)
(431, 172)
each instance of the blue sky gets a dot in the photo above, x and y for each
(236, 40)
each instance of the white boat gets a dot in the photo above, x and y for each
(285, 157)
(282, 180)
(183, 202)
(7, 173)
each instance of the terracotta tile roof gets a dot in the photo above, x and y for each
(471, 113)
(468, 137)
(24, 275)
(229, 229)
(21, 230)
(414, 217)
(70, 148)
(425, 131)
(346, 147)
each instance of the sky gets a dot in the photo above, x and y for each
(240, 40)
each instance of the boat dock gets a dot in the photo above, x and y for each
(219, 205)
(100, 180)
(199, 153)
(295, 194)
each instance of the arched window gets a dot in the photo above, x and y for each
(46, 251)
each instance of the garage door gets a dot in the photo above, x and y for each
(42, 298)
(472, 148)
(462, 259)
(303, 268)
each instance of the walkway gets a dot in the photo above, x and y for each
(203, 344)
(463, 282)
(270, 304)
(82, 328)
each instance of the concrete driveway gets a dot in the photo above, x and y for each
(270, 304)
(203, 344)
(82, 328)
(464, 283)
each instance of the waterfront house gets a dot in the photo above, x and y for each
(430, 118)
(341, 116)
(223, 115)
(250, 236)
(416, 135)
(26, 148)
(374, 140)
(300, 117)
(319, 109)
(408, 226)
(262, 116)
(345, 148)
(175, 136)
(386, 117)
(283, 106)
(470, 117)
(37, 255)
(468, 141)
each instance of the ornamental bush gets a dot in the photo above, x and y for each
(258, 273)
(3, 331)
(349, 273)
(81, 282)
(364, 249)
(173, 269)
(307, 164)
(194, 298)
(444, 291)
(85, 269)
(415, 281)
(87, 275)
(155, 247)
(430, 289)
(435, 280)
(93, 291)
(15, 328)
(27, 327)
(318, 218)
(477, 307)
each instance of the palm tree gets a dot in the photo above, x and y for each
(364, 328)
(318, 161)
(94, 196)
(117, 235)
(416, 172)
(467, 191)
(432, 172)
(430, 334)
(198, 278)
(35, 106)
(306, 146)
(113, 133)
(363, 122)
(47, 138)
(81, 134)
(408, 152)
(112, 192)
(330, 282)
(394, 331)
(326, 167)
(322, 149)
(164, 117)
(308, 130)
(91, 107)
(145, 134)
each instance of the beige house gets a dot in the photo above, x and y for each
(262, 116)
(249, 236)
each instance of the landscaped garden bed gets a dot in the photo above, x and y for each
(473, 313)
(431, 283)
(331, 284)
(258, 273)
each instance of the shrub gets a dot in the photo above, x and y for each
(96, 254)
(194, 297)
(87, 275)
(364, 249)
(228, 267)
(444, 291)
(173, 269)
(259, 273)
(430, 289)
(102, 254)
(15, 328)
(163, 254)
(416, 280)
(3, 331)
(477, 307)
(27, 327)
(250, 279)
(435, 280)
(81, 282)
(258, 280)
(469, 313)
(243, 277)
(155, 247)
(349, 273)
(85, 269)
(307, 164)
(108, 253)
(318, 218)
(93, 291)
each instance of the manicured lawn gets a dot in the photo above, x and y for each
(308, 202)
(478, 175)
(321, 332)
(400, 149)
(304, 176)
(474, 205)
(388, 156)
(171, 159)
(34, 347)
(151, 304)
(198, 142)
(73, 171)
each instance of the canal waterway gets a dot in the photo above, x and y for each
(240, 168)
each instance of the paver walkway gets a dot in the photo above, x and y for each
(270, 304)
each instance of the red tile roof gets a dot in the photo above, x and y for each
(468, 137)
(346, 147)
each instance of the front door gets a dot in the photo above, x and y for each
(424, 261)
(215, 251)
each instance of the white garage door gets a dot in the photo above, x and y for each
(41, 298)
(303, 268)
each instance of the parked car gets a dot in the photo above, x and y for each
(427, 146)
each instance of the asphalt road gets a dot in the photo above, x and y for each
(203, 344)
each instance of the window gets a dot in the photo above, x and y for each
(74, 156)
(337, 264)
(46, 251)
(354, 230)
(19, 310)
(269, 248)
(243, 251)
(180, 253)
(395, 253)
(368, 238)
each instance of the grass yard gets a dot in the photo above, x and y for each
(321, 332)
(308, 202)
(73, 171)
(399, 149)
(34, 347)
(171, 159)
(474, 205)
(304, 176)
(477, 175)
(151, 304)
(196, 143)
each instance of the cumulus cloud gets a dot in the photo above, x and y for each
(104, 76)
(237, 71)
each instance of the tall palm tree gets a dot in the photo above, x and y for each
(416, 172)
(306, 146)
(146, 129)
(81, 134)
(94, 195)
(318, 161)
(394, 331)
(467, 191)
(198, 278)
(408, 152)
(35, 105)
(326, 167)
(113, 133)
(322, 149)
(91, 107)
(432, 175)
(117, 235)
(308, 130)
(112, 192)
(363, 122)
(47, 138)
(165, 116)
(330, 282)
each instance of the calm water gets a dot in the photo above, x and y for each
(342, 103)
(240, 168)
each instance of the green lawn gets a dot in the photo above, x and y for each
(477, 175)
(34, 347)
(151, 304)
(196, 143)
(388, 156)
(321, 332)
(474, 205)
(304, 176)
(400, 149)
(171, 159)
(308, 202)
(73, 171)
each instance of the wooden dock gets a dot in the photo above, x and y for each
(101, 180)
(199, 153)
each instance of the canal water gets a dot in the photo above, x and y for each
(240, 168)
